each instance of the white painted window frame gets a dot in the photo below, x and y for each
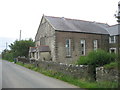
(95, 45)
(82, 41)
(111, 49)
(110, 40)
(68, 48)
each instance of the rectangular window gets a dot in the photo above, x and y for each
(112, 50)
(33, 55)
(95, 44)
(37, 55)
(42, 41)
(112, 39)
(82, 46)
(68, 47)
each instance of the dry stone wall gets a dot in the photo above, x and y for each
(77, 71)
(103, 74)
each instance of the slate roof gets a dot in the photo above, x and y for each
(114, 30)
(73, 25)
(32, 49)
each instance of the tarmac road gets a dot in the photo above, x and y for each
(15, 76)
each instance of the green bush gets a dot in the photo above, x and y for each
(83, 60)
(8, 56)
(97, 58)
(112, 65)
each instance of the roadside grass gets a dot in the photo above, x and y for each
(72, 80)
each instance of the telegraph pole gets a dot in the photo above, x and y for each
(20, 35)
(6, 45)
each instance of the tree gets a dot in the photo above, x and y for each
(21, 48)
(7, 55)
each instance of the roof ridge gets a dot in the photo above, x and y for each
(77, 20)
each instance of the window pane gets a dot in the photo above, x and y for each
(95, 44)
(68, 47)
(112, 39)
(82, 45)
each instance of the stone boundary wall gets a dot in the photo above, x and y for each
(103, 74)
(77, 71)
(82, 71)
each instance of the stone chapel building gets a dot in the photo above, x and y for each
(64, 40)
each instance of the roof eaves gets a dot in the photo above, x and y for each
(80, 32)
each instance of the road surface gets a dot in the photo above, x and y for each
(15, 76)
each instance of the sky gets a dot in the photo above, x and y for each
(25, 15)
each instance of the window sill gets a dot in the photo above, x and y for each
(112, 42)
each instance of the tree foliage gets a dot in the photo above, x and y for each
(18, 48)
(7, 55)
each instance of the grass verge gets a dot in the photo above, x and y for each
(71, 80)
